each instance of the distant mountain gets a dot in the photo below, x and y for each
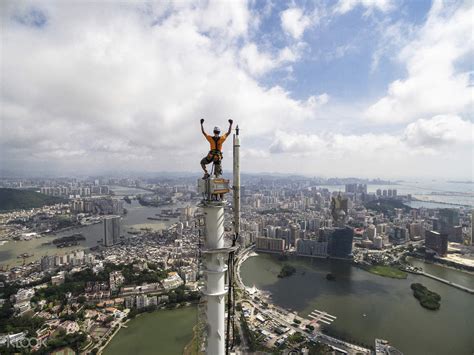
(14, 199)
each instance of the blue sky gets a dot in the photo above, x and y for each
(338, 57)
(375, 88)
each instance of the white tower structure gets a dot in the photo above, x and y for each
(215, 267)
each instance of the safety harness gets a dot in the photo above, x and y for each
(215, 153)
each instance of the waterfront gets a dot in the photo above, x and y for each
(368, 306)
(432, 194)
(161, 332)
(460, 277)
(134, 220)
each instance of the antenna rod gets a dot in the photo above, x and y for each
(236, 186)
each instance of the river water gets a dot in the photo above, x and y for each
(136, 218)
(459, 277)
(164, 332)
(369, 306)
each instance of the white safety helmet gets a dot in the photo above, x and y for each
(217, 129)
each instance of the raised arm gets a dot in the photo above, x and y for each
(230, 127)
(202, 127)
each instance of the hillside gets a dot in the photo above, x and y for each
(13, 199)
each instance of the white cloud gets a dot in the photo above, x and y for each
(259, 63)
(421, 149)
(333, 144)
(344, 6)
(421, 137)
(434, 84)
(106, 86)
(252, 153)
(438, 131)
(393, 37)
(103, 86)
(294, 22)
(296, 143)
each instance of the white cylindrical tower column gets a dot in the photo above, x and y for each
(215, 269)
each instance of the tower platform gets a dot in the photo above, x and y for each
(213, 189)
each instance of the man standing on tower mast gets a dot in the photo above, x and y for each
(215, 153)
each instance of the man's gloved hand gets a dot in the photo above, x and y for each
(202, 120)
(231, 121)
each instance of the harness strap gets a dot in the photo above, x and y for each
(216, 140)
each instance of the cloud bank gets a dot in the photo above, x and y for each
(91, 88)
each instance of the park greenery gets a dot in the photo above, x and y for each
(388, 271)
(13, 199)
(316, 348)
(428, 299)
(75, 283)
(286, 270)
(386, 206)
(276, 210)
(23, 323)
(60, 340)
(133, 276)
(344, 336)
(248, 334)
(296, 338)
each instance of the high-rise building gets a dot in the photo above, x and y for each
(116, 279)
(47, 262)
(437, 242)
(111, 230)
(399, 235)
(270, 244)
(340, 243)
(294, 233)
(381, 228)
(435, 224)
(448, 221)
(448, 217)
(371, 232)
(309, 247)
(378, 242)
(455, 234)
(416, 231)
(356, 188)
(339, 209)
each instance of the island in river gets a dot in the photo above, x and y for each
(428, 299)
(286, 270)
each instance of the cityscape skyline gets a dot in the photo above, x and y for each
(362, 88)
(331, 247)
